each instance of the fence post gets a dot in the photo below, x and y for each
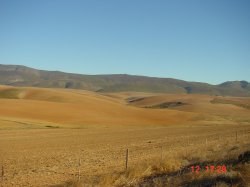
(2, 173)
(236, 136)
(126, 159)
(79, 169)
(186, 152)
(161, 155)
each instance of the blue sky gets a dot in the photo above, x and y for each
(194, 40)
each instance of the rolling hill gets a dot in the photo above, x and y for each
(30, 107)
(24, 107)
(15, 75)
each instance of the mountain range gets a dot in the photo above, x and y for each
(16, 75)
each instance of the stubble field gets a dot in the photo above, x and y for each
(53, 137)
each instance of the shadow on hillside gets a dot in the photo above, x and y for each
(229, 163)
(208, 181)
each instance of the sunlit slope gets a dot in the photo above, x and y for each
(232, 108)
(74, 108)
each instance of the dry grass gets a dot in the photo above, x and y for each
(50, 156)
(44, 132)
(171, 169)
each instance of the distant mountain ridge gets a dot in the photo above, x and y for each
(16, 75)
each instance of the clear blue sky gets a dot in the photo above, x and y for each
(194, 40)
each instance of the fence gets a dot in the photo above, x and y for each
(131, 156)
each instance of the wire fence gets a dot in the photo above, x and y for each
(131, 156)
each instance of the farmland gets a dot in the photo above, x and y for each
(56, 137)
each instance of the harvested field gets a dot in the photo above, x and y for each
(54, 137)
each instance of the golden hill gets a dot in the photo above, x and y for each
(76, 109)
(42, 107)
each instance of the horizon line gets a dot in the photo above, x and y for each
(103, 74)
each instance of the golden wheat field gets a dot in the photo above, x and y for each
(58, 137)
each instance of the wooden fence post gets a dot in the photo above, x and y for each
(161, 155)
(186, 152)
(2, 173)
(79, 169)
(126, 159)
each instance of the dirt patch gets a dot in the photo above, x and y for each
(134, 99)
(167, 105)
